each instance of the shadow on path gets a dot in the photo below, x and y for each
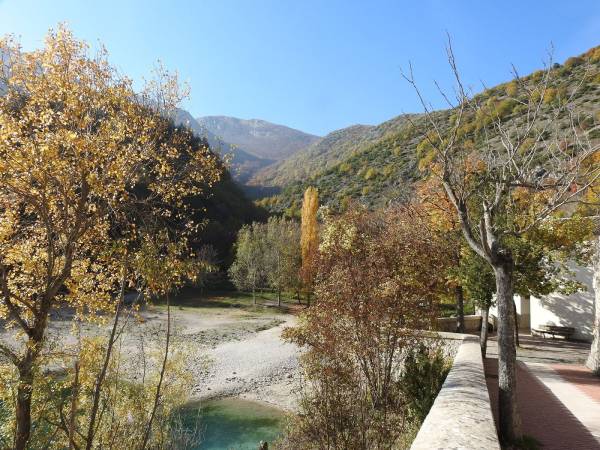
(582, 378)
(543, 416)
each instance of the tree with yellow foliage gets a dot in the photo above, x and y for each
(443, 219)
(91, 172)
(309, 238)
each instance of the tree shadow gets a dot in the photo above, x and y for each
(575, 310)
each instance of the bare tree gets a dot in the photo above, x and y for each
(507, 162)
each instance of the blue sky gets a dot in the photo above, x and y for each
(315, 65)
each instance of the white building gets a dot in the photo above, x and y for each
(576, 310)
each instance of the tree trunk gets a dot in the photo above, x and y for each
(460, 309)
(298, 297)
(23, 406)
(485, 313)
(508, 415)
(25, 388)
(516, 323)
(279, 297)
(593, 361)
(160, 378)
(73, 412)
(254, 296)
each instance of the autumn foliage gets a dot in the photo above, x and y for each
(379, 276)
(309, 237)
(94, 179)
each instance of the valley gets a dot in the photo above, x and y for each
(174, 278)
(375, 165)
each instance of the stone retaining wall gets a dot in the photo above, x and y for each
(472, 323)
(461, 416)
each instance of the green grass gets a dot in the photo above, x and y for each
(193, 299)
(449, 309)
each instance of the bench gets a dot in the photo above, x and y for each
(555, 330)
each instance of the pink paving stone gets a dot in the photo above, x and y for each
(544, 417)
(581, 377)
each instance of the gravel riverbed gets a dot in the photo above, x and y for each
(231, 352)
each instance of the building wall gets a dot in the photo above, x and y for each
(575, 310)
(523, 314)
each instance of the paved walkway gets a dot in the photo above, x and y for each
(558, 398)
(568, 388)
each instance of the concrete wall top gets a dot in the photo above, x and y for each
(461, 416)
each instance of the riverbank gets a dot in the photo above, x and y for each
(261, 367)
(233, 348)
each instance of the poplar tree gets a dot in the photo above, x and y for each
(249, 271)
(309, 238)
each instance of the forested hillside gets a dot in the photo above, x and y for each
(224, 211)
(378, 165)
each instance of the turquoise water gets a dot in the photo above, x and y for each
(233, 424)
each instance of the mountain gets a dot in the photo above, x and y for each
(257, 137)
(378, 165)
(324, 153)
(376, 168)
(242, 164)
(227, 208)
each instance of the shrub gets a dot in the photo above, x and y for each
(388, 170)
(537, 75)
(550, 95)
(519, 108)
(491, 102)
(344, 202)
(573, 61)
(505, 107)
(344, 168)
(424, 372)
(512, 88)
(379, 276)
(370, 173)
(594, 54)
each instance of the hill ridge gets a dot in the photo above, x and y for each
(378, 165)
